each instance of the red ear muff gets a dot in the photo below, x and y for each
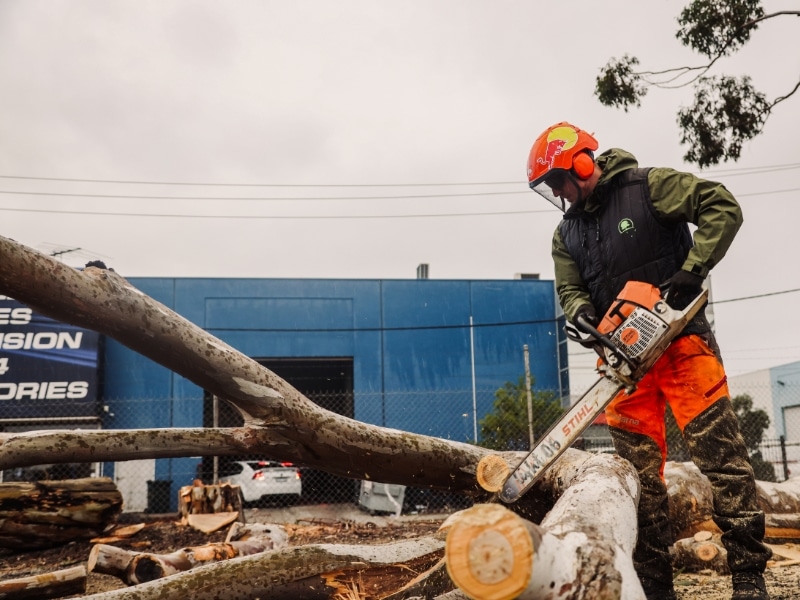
(583, 165)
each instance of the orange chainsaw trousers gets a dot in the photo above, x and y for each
(688, 376)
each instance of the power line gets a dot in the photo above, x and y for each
(761, 349)
(283, 217)
(409, 216)
(285, 185)
(748, 170)
(740, 299)
(459, 326)
(732, 172)
(756, 296)
(766, 193)
(306, 198)
(377, 329)
(260, 199)
(279, 199)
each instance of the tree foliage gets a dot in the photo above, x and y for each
(753, 423)
(727, 111)
(715, 28)
(506, 427)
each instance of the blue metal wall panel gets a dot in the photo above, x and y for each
(129, 377)
(410, 340)
(528, 308)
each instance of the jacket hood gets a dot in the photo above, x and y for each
(613, 162)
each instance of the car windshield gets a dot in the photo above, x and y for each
(268, 464)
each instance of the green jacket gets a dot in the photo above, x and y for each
(677, 197)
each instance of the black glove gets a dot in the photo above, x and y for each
(683, 288)
(586, 312)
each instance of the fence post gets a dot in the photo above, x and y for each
(783, 458)
(528, 391)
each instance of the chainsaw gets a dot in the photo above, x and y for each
(634, 333)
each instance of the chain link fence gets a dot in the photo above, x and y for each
(496, 418)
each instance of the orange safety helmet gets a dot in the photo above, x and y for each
(562, 148)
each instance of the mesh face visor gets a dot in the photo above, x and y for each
(554, 181)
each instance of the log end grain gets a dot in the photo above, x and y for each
(489, 553)
(706, 552)
(492, 472)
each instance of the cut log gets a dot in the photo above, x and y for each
(324, 571)
(583, 548)
(138, 567)
(201, 499)
(703, 551)
(43, 514)
(691, 503)
(57, 584)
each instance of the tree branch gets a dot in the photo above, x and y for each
(279, 420)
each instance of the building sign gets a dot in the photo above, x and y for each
(47, 369)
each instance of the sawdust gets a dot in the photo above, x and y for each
(167, 535)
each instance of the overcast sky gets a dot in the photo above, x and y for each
(271, 119)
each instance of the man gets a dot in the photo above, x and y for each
(623, 223)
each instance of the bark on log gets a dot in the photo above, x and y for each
(280, 423)
(57, 584)
(48, 513)
(322, 571)
(691, 507)
(582, 549)
(138, 567)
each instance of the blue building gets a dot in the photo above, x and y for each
(421, 355)
(385, 336)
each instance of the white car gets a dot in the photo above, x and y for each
(266, 479)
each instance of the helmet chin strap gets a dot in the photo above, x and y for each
(579, 201)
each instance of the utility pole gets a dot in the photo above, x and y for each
(528, 391)
(215, 424)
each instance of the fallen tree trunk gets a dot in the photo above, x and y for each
(57, 584)
(583, 548)
(280, 423)
(49, 513)
(321, 571)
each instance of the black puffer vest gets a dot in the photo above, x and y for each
(624, 240)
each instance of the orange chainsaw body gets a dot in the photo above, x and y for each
(635, 294)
